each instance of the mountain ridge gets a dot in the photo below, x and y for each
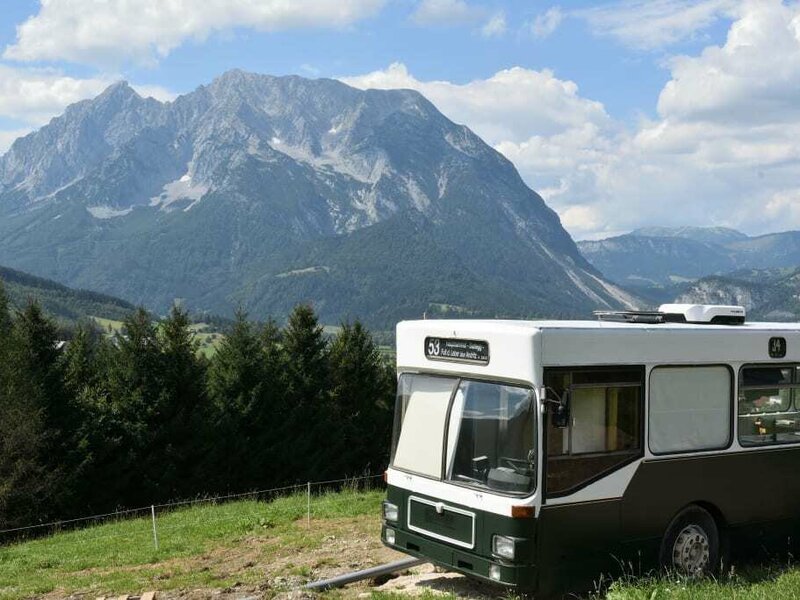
(661, 256)
(212, 196)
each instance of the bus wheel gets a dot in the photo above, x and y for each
(691, 545)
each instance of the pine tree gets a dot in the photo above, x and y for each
(36, 422)
(361, 389)
(83, 362)
(236, 387)
(306, 350)
(131, 415)
(79, 360)
(308, 430)
(182, 404)
(5, 314)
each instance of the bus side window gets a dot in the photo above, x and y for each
(690, 408)
(769, 405)
(604, 430)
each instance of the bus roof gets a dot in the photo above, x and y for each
(523, 325)
(518, 349)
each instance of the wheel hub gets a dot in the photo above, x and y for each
(690, 552)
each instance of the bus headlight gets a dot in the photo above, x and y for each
(390, 537)
(503, 546)
(390, 512)
(495, 573)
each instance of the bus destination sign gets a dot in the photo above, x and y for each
(468, 351)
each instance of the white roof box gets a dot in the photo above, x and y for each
(703, 313)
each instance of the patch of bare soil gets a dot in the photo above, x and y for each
(427, 578)
(278, 565)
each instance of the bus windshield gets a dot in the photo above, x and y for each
(474, 433)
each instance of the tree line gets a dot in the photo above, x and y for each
(105, 422)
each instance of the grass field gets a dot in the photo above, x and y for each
(209, 340)
(267, 546)
(269, 549)
(758, 583)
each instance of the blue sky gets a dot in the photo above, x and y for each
(620, 113)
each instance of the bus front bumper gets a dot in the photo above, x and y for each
(493, 570)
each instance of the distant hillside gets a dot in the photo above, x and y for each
(767, 295)
(706, 235)
(661, 257)
(60, 301)
(643, 261)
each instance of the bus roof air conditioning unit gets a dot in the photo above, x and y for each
(703, 313)
(706, 314)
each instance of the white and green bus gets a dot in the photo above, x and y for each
(540, 454)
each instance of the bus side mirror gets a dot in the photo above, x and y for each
(560, 415)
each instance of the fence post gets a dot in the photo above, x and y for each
(308, 506)
(155, 533)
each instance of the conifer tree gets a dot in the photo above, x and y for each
(79, 361)
(134, 378)
(5, 314)
(35, 423)
(236, 387)
(306, 351)
(181, 404)
(361, 389)
(308, 428)
(82, 365)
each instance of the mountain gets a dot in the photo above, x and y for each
(774, 250)
(768, 295)
(705, 235)
(261, 192)
(639, 260)
(663, 257)
(64, 303)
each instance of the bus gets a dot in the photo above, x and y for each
(543, 454)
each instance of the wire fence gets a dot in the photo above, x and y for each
(314, 492)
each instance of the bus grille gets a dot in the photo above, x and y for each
(441, 522)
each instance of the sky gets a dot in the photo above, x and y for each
(620, 113)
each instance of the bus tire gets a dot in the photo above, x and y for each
(691, 544)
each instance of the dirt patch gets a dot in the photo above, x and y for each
(429, 579)
(277, 564)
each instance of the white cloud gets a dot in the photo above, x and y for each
(753, 78)
(154, 91)
(546, 23)
(495, 26)
(724, 148)
(511, 105)
(649, 24)
(445, 12)
(94, 32)
(34, 96)
(7, 138)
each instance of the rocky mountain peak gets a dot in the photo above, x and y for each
(254, 183)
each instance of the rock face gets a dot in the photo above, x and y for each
(265, 191)
(772, 295)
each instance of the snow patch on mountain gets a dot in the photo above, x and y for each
(108, 212)
(183, 188)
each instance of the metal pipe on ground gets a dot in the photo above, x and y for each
(372, 572)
